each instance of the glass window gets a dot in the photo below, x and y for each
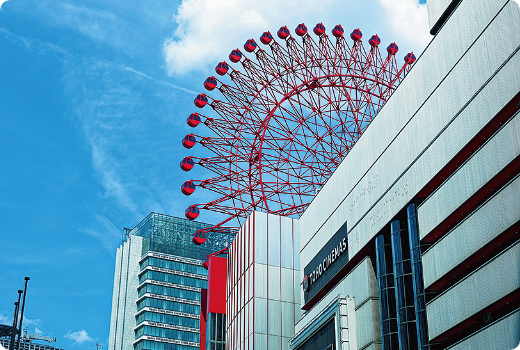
(216, 331)
(325, 338)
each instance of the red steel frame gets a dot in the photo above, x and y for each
(286, 120)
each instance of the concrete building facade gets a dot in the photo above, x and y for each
(429, 199)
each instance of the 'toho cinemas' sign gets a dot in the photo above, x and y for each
(326, 264)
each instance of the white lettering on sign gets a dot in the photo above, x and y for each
(328, 261)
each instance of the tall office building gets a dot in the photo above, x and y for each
(157, 285)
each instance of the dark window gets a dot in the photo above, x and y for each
(324, 339)
(216, 331)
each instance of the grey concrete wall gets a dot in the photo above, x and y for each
(488, 161)
(502, 334)
(436, 9)
(488, 284)
(482, 226)
(447, 98)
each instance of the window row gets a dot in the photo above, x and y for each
(168, 305)
(173, 265)
(166, 277)
(167, 333)
(168, 319)
(168, 291)
(151, 345)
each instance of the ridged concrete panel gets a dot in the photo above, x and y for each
(435, 10)
(482, 288)
(502, 334)
(482, 167)
(428, 72)
(368, 326)
(490, 220)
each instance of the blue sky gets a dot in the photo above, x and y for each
(93, 101)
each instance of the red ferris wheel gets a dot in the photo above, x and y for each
(282, 123)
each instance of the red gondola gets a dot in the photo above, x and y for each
(189, 141)
(250, 45)
(301, 30)
(266, 38)
(356, 35)
(187, 163)
(193, 120)
(374, 41)
(338, 31)
(409, 58)
(210, 83)
(392, 49)
(319, 29)
(222, 68)
(283, 32)
(199, 237)
(188, 187)
(192, 212)
(201, 100)
(235, 56)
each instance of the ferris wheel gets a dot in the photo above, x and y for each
(279, 122)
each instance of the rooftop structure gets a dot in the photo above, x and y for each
(29, 344)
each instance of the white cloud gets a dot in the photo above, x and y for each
(160, 82)
(98, 25)
(110, 177)
(79, 337)
(207, 30)
(5, 319)
(109, 234)
(27, 322)
(33, 322)
(409, 20)
(2, 2)
(31, 43)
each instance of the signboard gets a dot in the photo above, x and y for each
(326, 264)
